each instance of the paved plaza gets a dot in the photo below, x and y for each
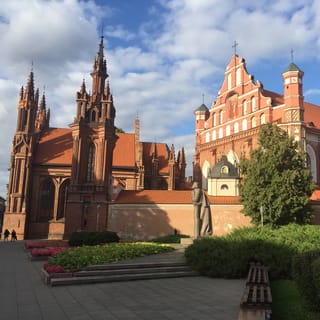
(24, 296)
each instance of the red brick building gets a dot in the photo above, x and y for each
(230, 126)
(63, 179)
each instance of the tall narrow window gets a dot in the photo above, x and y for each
(262, 119)
(253, 104)
(228, 130)
(90, 168)
(229, 81)
(214, 119)
(221, 116)
(244, 124)
(46, 200)
(245, 107)
(253, 122)
(62, 199)
(236, 127)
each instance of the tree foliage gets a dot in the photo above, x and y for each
(277, 183)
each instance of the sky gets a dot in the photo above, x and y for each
(164, 57)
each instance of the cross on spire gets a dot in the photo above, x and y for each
(235, 44)
(203, 98)
(292, 56)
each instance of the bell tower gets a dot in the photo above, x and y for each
(294, 106)
(94, 139)
(21, 160)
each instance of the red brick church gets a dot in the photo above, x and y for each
(63, 179)
(229, 128)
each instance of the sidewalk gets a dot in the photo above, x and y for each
(24, 296)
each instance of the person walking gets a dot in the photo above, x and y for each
(6, 235)
(13, 235)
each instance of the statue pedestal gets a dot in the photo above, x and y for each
(186, 241)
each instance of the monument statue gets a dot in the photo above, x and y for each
(202, 212)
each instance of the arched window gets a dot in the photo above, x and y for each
(207, 136)
(312, 162)
(236, 127)
(229, 81)
(244, 124)
(245, 107)
(221, 116)
(214, 119)
(62, 199)
(253, 122)
(47, 192)
(224, 187)
(253, 104)
(93, 116)
(214, 135)
(90, 167)
(262, 119)
(220, 133)
(228, 130)
(238, 77)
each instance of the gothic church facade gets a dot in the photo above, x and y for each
(64, 179)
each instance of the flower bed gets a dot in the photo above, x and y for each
(45, 244)
(47, 252)
(49, 271)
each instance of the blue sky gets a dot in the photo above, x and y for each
(162, 56)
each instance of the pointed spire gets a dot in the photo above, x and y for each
(172, 156)
(29, 92)
(21, 93)
(83, 87)
(43, 102)
(99, 72)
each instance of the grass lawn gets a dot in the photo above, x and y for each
(287, 303)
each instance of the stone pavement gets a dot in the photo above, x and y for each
(23, 295)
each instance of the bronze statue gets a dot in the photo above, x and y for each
(202, 212)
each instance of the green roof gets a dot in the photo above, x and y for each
(203, 107)
(292, 67)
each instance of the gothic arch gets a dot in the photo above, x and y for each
(46, 205)
(312, 162)
(62, 198)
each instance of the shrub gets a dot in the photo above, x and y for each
(305, 269)
(173, 238)
(229, 256)
(315, 267)
(221, 257)
(92, 238)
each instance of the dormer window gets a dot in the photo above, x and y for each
(224, 170)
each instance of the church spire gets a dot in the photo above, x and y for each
(29, 91)
(99, 72)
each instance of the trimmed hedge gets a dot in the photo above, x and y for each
(306, 272)
(175, 238)
(83, 238)
(230, 255)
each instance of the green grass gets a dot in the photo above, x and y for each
(288, 304)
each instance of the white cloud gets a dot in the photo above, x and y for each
(171, 60)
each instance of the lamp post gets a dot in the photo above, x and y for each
(261, 215)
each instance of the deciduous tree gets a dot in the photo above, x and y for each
(277, 184)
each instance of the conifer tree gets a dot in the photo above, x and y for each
(277, 184)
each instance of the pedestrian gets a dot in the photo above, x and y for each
(6, 235)
(13, 235)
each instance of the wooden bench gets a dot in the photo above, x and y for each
(256, 301)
